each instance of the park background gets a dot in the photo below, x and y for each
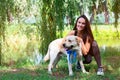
(28, 26)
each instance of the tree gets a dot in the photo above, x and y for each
(72, 9)
(106, 13)
(5, 5)
(116, 10)
(52, 13)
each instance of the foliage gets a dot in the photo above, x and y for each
(19, 45)
(116, 10)
(5, 7)
(25, 8)
(51, 21)
(105, 32)
(71, 10)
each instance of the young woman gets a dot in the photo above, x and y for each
(89, 45)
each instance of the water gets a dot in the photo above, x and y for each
(37, 57)
(109, 44)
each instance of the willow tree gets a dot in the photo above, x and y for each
(2, 25)
(5, 7)
(52, 13)
(72, 9)
(116, 10)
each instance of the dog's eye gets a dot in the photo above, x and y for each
(69, 41)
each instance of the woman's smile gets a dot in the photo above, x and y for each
(81, 24)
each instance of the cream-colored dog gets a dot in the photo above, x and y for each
(58, 47)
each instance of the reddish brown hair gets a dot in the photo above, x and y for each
(86, 32)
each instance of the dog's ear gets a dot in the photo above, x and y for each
(63, 41)
(78, 40)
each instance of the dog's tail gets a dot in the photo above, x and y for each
(47, 56)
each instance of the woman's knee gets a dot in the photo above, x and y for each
(88, 59)
(95, 48)
(94, 43)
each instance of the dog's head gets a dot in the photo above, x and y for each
(71, 42)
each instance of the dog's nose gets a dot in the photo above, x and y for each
(64, 45)
(72, 46)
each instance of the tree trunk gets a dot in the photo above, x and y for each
(93, 12)
(9, 16)
(92, 17)
(0, 53)
(106, 13)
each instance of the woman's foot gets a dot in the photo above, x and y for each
(100, 71)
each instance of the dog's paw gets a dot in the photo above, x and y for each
(86, 72)
(71, 74)
(49, 72)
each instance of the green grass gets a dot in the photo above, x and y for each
(110, 63)
(61, 73)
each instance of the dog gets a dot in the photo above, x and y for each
(59, 47)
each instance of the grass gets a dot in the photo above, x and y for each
(20, 44)
(110, 63)
(61, 73)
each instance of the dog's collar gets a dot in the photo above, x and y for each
(73, 54)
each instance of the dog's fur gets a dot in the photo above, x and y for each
(58, 47)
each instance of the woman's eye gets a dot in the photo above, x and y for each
(83, 23)
(79, 22)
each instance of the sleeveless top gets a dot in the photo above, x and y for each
(75, 33)
(90, 51)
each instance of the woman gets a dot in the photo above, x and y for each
(89, 46)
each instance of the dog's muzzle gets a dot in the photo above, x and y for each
(67, 48)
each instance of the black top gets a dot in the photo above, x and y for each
(75, 33)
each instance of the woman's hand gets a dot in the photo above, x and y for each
(80, 39)
(85, 46)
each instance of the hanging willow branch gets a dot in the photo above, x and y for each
(5, 6)
(116, 10)
(51, 22)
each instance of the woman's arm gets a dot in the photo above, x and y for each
(85, 47)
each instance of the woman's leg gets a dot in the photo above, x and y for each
(96, 54)
(94, 51)
(87, 60)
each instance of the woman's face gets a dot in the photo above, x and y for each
(80, 24)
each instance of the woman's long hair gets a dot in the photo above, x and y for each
(86, 32)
